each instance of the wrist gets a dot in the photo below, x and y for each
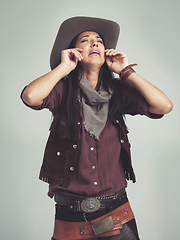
(127, 71)
(64, 69)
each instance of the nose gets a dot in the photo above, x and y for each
(94, 44)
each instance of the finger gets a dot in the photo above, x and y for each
(114, 53)
(108, 51)
(76, 54)
(78, 49)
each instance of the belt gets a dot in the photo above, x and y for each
(104, 226)
(79, 203)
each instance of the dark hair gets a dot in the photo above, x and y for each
(106, 79)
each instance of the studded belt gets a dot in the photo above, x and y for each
(79, 203)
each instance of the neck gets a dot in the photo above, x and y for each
(91, 75)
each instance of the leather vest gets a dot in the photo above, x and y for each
(61, 150)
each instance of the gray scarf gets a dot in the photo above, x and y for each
(95, 107)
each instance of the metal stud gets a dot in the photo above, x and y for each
(71, 169)
(58, 153)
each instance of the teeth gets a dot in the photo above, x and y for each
(95, 52)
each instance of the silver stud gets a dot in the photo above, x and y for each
(58, 153)
(71, 169)
(78, 123)
(92, 148)
(74, 146)
(122, 141)
(117, 121)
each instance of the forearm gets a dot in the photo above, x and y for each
(158, 101)
(40, 88)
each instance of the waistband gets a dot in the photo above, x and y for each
(69, 214)
(80, 203)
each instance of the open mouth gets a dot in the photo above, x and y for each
(94, 53)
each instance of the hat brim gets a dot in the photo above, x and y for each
(71, 27)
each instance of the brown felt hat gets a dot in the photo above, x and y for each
(71, 27)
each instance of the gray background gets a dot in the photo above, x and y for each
(150, 37)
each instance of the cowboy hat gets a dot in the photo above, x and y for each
(71, 27)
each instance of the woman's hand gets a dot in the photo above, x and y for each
(116, 60)
(70, 58)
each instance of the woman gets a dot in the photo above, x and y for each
(87, 157)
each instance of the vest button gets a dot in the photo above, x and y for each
(122, 141)
(117, 121)
(78, 123)
(74, 146)
(58, 153)
(71, 169)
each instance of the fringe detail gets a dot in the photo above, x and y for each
(45, 177)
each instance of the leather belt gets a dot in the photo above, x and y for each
(79, 203)
(104, 226)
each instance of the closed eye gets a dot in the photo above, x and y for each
(101, 41)
(84, 40)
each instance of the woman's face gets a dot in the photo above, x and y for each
(93, 50)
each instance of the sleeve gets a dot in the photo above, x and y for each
(52, 101)
(134, 103)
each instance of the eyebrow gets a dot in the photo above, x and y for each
(88, 36)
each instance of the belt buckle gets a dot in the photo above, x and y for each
(103, 225)
(90, 205)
